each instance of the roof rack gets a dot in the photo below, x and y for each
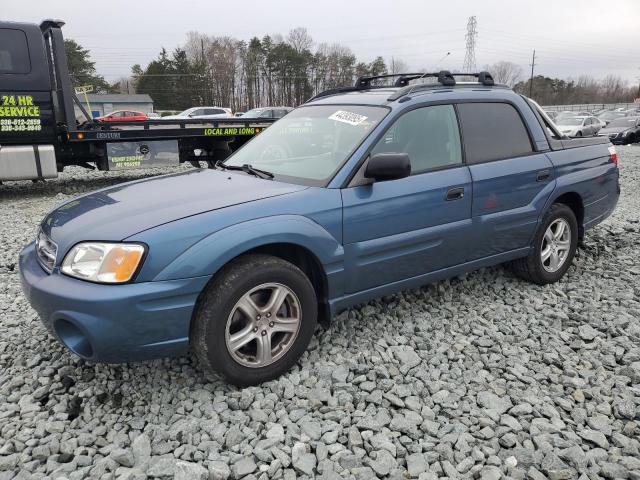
(447, 79)
(444, 78)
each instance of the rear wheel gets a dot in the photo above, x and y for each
(255, 320)
(554, 247)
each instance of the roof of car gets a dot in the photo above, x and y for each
(368, 91)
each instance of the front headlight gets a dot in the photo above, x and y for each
(103, 262)
(622, 134)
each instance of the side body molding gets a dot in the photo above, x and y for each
(208, 255)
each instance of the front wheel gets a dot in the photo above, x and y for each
(255, 320)
(554, 247)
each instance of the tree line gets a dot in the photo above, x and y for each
(287, 70)
(224, 71)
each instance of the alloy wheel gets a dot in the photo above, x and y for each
(556, 245)
(263, 325)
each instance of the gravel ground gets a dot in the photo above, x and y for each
(483, 376)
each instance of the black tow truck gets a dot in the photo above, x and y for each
(40, 135)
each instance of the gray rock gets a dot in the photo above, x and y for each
(219, 470)
(383, 463)
(416, 464)
(587, 332)
(613, 471)
(242, 467)
(123, 457)
(190, 471)
(597, 438)
(491, 401)
(303, 461)
(141, 449)
(490, 473)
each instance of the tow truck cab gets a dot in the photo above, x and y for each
(27, 123)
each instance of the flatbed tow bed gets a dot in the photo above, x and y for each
(39, 133)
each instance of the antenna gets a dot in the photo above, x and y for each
(470, 39)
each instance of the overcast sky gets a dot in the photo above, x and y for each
(571, 37)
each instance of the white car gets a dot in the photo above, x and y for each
(579, 126)
(201, 112)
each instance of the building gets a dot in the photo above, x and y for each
(102, 104)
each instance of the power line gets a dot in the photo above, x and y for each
(469, 64)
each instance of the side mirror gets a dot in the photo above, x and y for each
(388, 166)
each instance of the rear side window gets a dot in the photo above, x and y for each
(492, 131)
(429, 135)
(14, 52)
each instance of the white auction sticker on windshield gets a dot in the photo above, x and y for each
(347, 117)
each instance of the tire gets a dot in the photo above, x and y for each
(249, 283)
(579, 134)
(533, 268)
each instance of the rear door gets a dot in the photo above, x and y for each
(511, 182)
(398, 229)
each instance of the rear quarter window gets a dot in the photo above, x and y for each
(14, 52)
(492, 131)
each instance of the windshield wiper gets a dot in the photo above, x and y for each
(246, 168)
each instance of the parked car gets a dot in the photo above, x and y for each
(358, 193)
(123, 116)
(267, 112)
(579, 126)
(610, 115)
(201, 112)
(622, 131)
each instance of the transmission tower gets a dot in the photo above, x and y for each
(470, 38)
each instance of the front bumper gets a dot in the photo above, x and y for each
(112, 323)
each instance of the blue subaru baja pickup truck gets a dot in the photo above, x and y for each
(360, 192)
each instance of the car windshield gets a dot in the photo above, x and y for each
(569, 120)
(610, 115)
(310, 143)
(623, 122)
(255, 113)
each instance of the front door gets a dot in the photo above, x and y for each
(398, 229)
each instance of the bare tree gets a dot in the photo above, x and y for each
(397, 65)
(299, 39)
(507, 73)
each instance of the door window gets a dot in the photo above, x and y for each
(492, 131)
(14, 52)
(429, 135)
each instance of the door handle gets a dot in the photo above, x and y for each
(543, 175)
(455, 194)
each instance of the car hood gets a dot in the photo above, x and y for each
(568, 127)
(610, 130)
(117, 212)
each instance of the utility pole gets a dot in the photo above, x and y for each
(533, 64)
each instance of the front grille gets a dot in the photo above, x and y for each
(47, 251)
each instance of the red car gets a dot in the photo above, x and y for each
(123, 116)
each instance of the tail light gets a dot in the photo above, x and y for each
(613, 155)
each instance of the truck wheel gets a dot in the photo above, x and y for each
(255, 320)
(554, 247)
